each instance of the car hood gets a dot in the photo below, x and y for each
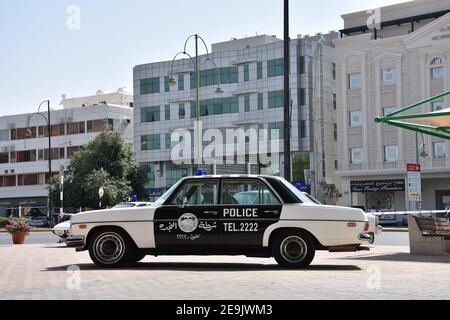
(116, 215)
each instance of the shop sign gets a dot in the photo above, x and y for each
(377, 185)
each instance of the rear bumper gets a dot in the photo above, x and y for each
(76, 242)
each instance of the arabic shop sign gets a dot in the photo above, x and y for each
(377, 185)
(156, 192)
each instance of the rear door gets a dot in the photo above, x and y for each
(248, 208)
(190, 218)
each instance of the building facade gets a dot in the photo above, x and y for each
(401, 59)
(250, 72)
(24, 156)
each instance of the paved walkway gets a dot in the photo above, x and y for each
(56, 272)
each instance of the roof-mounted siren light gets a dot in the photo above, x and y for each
(201, 172)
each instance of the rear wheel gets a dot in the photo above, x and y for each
(293, 249)
(110, 248)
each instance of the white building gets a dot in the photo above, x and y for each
(24, 158)
(251, 74)
(381, 68)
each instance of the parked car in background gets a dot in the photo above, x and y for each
(62, 229)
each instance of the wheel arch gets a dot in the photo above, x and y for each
(274, 232)
(110, 228)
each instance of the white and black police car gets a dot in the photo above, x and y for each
(255, 216)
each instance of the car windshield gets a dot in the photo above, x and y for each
(166, 195)
(300, 195)
(124, 205)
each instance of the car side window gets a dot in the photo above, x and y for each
(197, 193)
(247, 192)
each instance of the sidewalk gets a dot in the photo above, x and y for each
(56, 272)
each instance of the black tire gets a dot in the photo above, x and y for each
(110, 248)
(293, 249)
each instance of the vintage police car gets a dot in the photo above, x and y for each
(256, 216)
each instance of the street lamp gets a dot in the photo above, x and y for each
(29, 133)
(219, 90)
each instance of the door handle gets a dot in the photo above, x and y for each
(271, 211)
(215, 213)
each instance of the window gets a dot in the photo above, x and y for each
(151, 142)
(389, 110)
(56, 130)
(181, 82)
(166, 84)
(247, 193)
(57, 154)
(276, 126)
(175, 173)
(355, 119)
(259, 70)
(356, 155)
(167, 112)
(275, 67)
(150, 114)
(302, 65)
(354, 81)
(72, 150)
(246, 72)
(302, 97)
(76, 128)
(181, 111)
(4, 135)
(436, 61)
(334, 101)
(150, 85)
(303, 129)
(168, 142)
(210, 77)
(198, 193)
(336, 164)
(335, 131)
(4, 157)
(391, 153)
(31, 179)
(23, 156)
(99, 125)
(437, 73)
(276, 99)
(23, 133)
(260, 101)
(247, 103)
(217, 106)
(388, 76)
(333, 70)
(7, 181)
(437, 106)
(439, 150)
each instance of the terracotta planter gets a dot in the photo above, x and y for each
(19, 237)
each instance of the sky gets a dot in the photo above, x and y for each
(46, 51)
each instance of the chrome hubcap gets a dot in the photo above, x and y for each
(109, 248)
(293, 249)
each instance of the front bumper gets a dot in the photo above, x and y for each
(76, 242)
(365, 237)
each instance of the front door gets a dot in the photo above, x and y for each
(248, 208)
(190, 218)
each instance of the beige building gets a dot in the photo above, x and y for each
(400, 58)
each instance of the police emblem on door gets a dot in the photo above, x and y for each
(188, 223)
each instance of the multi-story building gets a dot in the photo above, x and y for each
(250, 71)
(24, 156)
(400, 58)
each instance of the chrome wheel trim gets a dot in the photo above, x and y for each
(293, 249)
(109, 248)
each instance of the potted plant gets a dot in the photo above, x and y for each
(19, 230)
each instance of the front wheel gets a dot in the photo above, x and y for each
(110, 248)
(293, 249)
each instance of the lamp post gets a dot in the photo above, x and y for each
(172, 82)
(48, 121)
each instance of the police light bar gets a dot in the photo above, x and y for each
(201, 172)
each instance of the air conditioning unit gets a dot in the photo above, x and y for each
(6, 171)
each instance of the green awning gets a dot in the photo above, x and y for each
(435, 123)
